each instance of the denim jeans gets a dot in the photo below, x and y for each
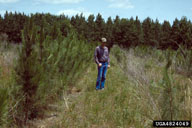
(101, 76)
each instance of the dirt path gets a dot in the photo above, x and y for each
(54, 115)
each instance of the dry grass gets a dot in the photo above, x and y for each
(148, 74)
(7, 60)
(7, 57)
(134, 95)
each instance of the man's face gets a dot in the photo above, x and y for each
(103, 44)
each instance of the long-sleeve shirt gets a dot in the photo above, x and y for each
(101, 54)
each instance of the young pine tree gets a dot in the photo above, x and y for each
(28, 73)
(41, 38)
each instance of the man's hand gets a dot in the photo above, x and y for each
(109, 66)
(100, 64)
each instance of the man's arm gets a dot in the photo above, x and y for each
(95, 56)
(108, 61)
(108, 58)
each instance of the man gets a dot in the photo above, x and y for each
(102, 60)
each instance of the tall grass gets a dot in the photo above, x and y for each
(171, 91)
(3, 106)
(183, 61)
(7, 58)
(140, 87)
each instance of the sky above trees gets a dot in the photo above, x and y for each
(155, 9)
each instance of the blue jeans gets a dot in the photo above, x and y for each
(101, 76)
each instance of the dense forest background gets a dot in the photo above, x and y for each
(123, 31)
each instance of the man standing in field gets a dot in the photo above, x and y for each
(102, 60)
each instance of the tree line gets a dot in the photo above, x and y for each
(122, 31)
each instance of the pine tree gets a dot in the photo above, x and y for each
(166, 30)
(168, 105)
(127, 35)
(185, 32)
(41, 37)
(175, 34)
(139, 32)
(117, 30)
(54, 31)
(1, 24)
(190, 43)
(73, 21)
(99, 27)
(82, 25)
(155, 33)
(109, 32)
(12, 24)
(147, 30)
(125, 31)
(90, 35)
(79, 23)
(133, 33)
(28, 72)
(65, 27)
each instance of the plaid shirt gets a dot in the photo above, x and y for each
(101, 54)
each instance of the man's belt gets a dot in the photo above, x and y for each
(102, 61)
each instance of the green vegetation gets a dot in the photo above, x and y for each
(3, 106)
(122, 31)
(137, 93)
(44, 68)
(142, 85)
(150, 76)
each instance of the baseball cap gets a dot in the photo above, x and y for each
(103, 39)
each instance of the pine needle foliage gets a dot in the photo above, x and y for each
(28, 73)
(67, 58)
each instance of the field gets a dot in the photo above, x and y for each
(142, 85)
